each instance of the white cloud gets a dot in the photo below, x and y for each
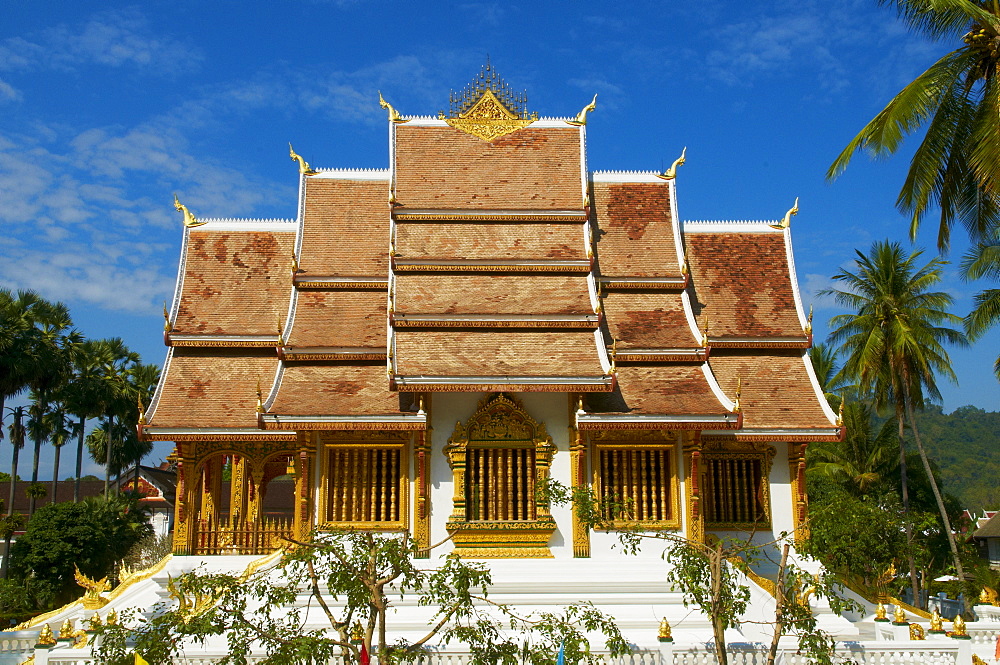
(9, 93)
(115, 38)
(814, 283)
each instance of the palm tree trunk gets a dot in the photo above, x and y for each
(34, 473)
(10, 511)
(934, 488)
(55, 474)
(107, 456)
(914, 585)
(79, 462)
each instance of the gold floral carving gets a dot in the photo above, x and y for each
(489, 119)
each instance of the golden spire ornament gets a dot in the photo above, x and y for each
(880, 612)
(45, 637)
(959, 625)
(809, 321)
(260, 398)
(737, 406)
(899, 616)
(581, 117)
(304, 167)
(937, 623)
(786, 221)
(142, 410)
(393, 113)
(190, 221)
(167, 327)
(671, 173)
(664, 634)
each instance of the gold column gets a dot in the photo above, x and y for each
(543, 460)
(421, 507)
(456, 452)
(695, 521)
(578, 469)
(186, 487)
(237, 490)
(211, 487)
(254, 499)
(302, 524)
(800, 499)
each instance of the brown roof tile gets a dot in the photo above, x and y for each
(335, 389)
(741, 285)
(644, 320)
(485, 240)
(235, 282)
(213, 387)
(635, 237)
(496, 353)
(345, 231)
(339, 319)
(777, 391)
(662, 389)
(531, 169)
(492, 294)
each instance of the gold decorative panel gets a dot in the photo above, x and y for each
(487, 108)
(498, 459)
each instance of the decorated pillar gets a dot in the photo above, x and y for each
(578, 478)
(187, 486)
(800, 500)
(421, 506)
(695, 522)
(303, 463)
(238, 490)
(211, 486)
(456, 452)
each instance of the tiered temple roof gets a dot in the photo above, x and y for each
(488, 260)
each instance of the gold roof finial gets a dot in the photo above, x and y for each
(260, 398)
(685, 268)
(393, 113)
(840, 414)
(704, 335)
(488, 107)
(809, 321)
(664, 634)
(671, 173)
(787, 219)
(281, 333)
(581, 117)
(614, 355)
(167, 326)
(295, 262)
(304, 167)
(737, 406)
(142, 410)
(190, 221)
(579, 405)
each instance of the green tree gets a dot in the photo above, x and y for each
(86, 395)
(863, 461)
(983, 261)
(352, 578)
(59, 430)
(92, 534)
(17, 438)
(894, 347)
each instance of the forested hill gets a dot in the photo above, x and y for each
(966, 446)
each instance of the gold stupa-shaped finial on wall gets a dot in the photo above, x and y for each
(488, 108)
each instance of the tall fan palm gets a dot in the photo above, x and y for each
(114, 359)
(20, 341)
(87, 395)
(142, 380)
(58, 426)
(17, 438)
(894, 346)
(956, 167)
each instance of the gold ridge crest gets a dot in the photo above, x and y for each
(487, 108)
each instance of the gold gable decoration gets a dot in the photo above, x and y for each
(488, 108)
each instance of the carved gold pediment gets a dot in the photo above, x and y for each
(489, 119)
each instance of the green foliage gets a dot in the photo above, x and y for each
(5, 477)
(352, 578)
(92, 534)
(36, 490)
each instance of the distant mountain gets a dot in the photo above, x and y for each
(965, 444)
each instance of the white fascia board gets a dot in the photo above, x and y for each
(820, 397)
(351, 174)
(273, 339)
(732, 226)
(231, 224)
(679, 351)
(713, 383)
(657, 418)
(164, 372)
(627, 176)
(757, 340)
(388, 418)
(401, 316)
(525, 380)
(275, 386)
(205, 431)
(789, 434)
(796, 295)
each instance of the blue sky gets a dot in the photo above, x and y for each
(106, 112)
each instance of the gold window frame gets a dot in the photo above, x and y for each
(329, 444)
(766, 459)
(673, 484)
(500, 421)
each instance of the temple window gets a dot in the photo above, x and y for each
(364, 485)
(735, 491)
(500, 484)
(635, 484)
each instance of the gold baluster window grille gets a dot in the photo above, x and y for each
(735, 492)
(500, 484)
(637, 485)
(365, 486)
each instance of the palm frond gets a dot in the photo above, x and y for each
(940, 18)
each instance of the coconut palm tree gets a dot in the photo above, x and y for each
(864, 460)
(983, 261)
(894, 346)
(113, 359)
(956, 167)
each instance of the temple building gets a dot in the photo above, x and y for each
(423, 345)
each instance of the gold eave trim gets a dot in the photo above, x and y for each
(458, 265)
(242, 341)
(605, 383)
(273, 421)
(452, 214)
(697, 354)
(212, 434)
(599, 421)
(644, 283)
(295, 354)
(759, 342)
(352, 283)
(776, 434)
(585, 321)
